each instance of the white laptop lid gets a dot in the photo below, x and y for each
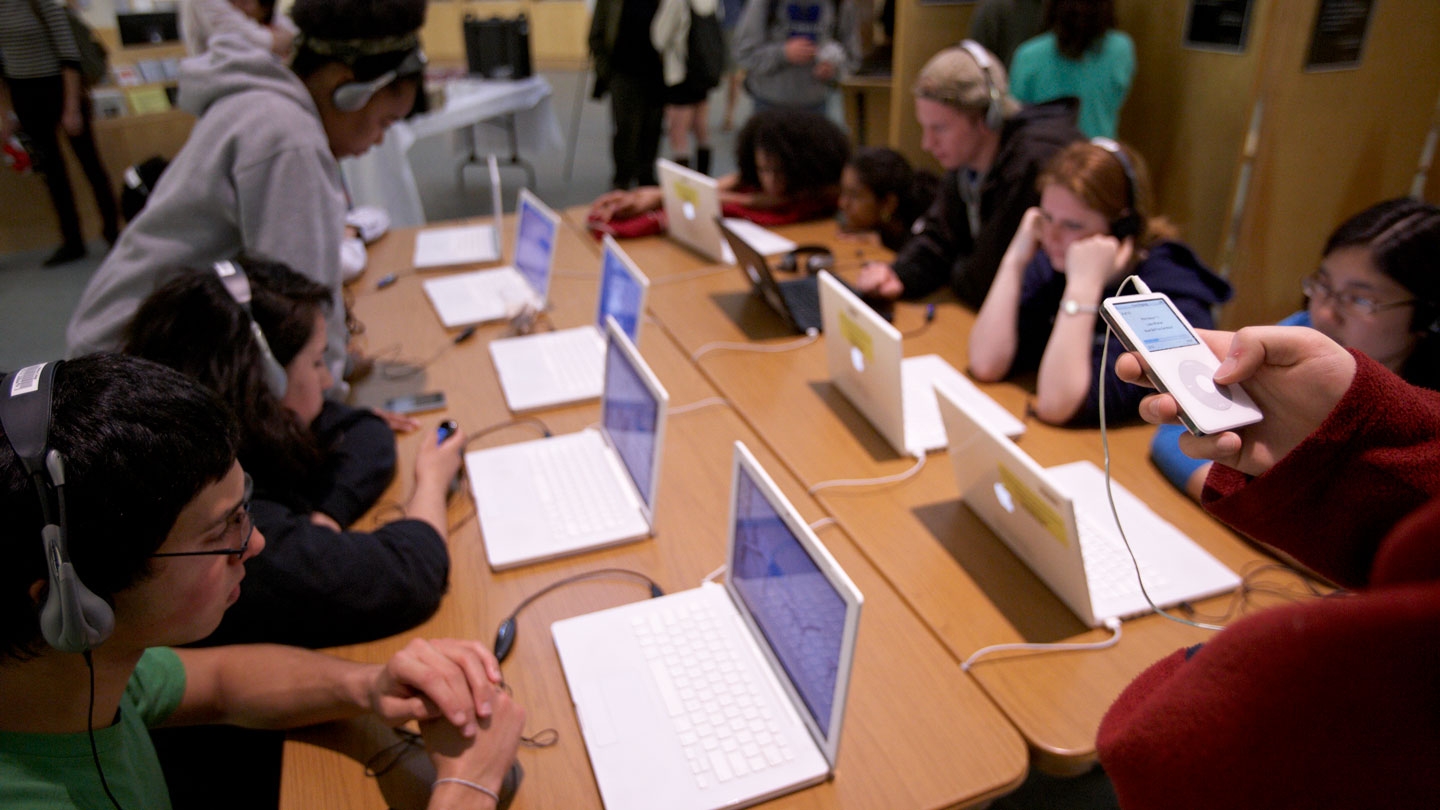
(863, 353)
(536, 229)
(497, 203)
(800, 606)
(632, 414)
(623, 290)
(1011, 493)
(692, 202)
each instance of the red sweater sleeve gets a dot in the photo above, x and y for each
(1329, 502)
(1331, 702)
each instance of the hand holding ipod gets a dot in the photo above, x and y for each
(1178, 362)
(1294, 374)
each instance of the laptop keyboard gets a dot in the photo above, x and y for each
(577, 487)
(1108, 567)
(572, 365)
(720, 714)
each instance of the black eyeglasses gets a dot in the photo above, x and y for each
(237, 523)
(1315, 287)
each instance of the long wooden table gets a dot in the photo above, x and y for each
(918, 733)
(970, 589)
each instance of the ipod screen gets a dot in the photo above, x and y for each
(1156, 324)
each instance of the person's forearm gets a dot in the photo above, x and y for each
(427, 503)
(1065, 374)
(994, 337)
(71, 78)
(271, 686)
(455, 796)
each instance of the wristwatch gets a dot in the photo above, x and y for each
(1072, 307)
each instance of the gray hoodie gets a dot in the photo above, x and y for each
(760, 38)
(256, 174)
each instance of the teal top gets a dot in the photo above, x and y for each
(57, 771)
(1100, 79)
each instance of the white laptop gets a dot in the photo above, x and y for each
(489, 295)
(557, 368)
(1058, 521)
(465, 244)
(565, 494)
(720, 696)
(897, 394)
(692, 205)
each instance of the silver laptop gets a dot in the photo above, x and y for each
(489, 295)
(1058, 521)
(692, 203)
(721, 696)
(897, 394)
(557, 368)
(465, 244)
(565, 494)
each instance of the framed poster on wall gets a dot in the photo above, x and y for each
(1338, 40)
(1218, 25)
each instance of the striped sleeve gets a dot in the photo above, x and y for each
(26, 41)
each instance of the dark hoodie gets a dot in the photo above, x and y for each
(1168, 267)
(942, 248)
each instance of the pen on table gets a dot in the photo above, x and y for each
(385, 281)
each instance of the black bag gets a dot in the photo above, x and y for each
(498, 48)
(705, 56)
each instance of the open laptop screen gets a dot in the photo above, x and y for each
(534, 245)
(620, 294)
(630, 414)
(800, 613)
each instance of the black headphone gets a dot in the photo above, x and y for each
(995, 108)
(813, 258)
(238, 285)
(73, 618)
(1128, 223)
(352, 96)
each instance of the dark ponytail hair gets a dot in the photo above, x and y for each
(193, 325)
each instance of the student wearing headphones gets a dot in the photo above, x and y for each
(128, 471)
(992, 149)
(1327, 701)
(317, 467)
(1377, 291)
(1093, 228)
(259, 172)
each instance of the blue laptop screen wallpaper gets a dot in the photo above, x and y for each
(797, 609)
(629, 413)
(619, 295)
(534, 243)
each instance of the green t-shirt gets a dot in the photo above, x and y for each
(1100, 79)
(57, 771)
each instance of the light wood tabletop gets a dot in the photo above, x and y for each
(950, 568)
(918, 733)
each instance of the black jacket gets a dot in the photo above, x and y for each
(315, 587)
(942, 249)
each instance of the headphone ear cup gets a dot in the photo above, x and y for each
(352, 96)
(820, 261)
(1126, 226)
(815, 258)
(73, 618)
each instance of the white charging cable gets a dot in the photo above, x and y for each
(872, 482)
(810, 337)
(1112, 624)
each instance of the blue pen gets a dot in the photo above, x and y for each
(385, 281)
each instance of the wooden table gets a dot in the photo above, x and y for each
(918, 733)
(966, 585)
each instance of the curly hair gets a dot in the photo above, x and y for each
(885, 171)
(809, 149)
(349, 20)
(193, 325)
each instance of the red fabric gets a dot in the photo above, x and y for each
(1330, 702)
(653, 222)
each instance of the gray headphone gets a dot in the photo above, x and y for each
(238, 286)
(72, 619)
(352, 96)
(995, 109)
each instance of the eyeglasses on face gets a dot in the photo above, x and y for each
(1315, 288)
(238, 526)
